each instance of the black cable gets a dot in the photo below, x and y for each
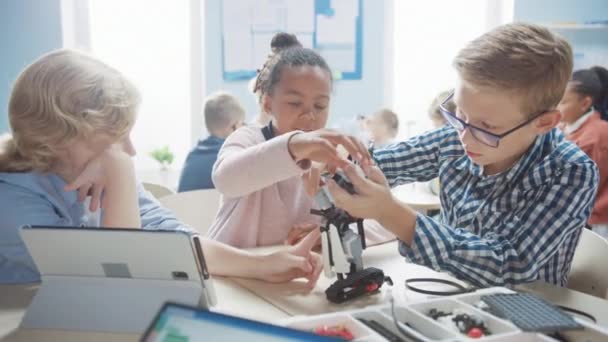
(578, 312)
(460, 289)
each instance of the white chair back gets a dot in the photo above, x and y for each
(157, 190)
(195, 208)
(588, 273)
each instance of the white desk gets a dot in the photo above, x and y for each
(292, 298)
(272, 302)
(295, 300)
(417, 196)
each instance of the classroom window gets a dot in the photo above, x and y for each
(149, 41)
(427, 36)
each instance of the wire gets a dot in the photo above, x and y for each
(578, 312)
(460, 289)
(402, 331)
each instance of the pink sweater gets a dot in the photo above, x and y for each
(263, 195)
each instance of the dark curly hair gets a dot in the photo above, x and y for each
(287, 51)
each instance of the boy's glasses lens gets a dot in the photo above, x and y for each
(484, 138)
(481, 136)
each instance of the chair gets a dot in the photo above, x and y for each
(588, 273)
(195, 208)
(157, 190)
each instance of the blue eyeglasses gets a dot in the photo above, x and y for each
(480, 134)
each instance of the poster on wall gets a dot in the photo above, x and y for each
(332, 27)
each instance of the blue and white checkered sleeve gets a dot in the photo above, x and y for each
(416, 159)
(513, 246)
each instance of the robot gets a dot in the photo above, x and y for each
(343, 248)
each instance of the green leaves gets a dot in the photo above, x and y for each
(163, 155)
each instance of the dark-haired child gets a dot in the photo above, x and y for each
(264, 173)
(582, 124)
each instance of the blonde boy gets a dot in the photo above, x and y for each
(515, 194)
(383, 127)
(434, 112)
(224, 114)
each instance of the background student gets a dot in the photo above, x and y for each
(434, 112)
(223, 115)
(582, 124)
(383, 127)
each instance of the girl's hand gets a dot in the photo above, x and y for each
(97, 174)
(312, 181)
(299, 231)
(321, 146)
(294, 262)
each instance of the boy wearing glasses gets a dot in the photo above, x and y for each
(515, 194)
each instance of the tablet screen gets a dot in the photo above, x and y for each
(177, 323)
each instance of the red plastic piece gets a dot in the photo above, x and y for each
(336, 331)
(475, 333)
(371, 287)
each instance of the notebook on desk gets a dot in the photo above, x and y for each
(176, 322)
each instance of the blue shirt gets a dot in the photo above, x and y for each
(199, 164)
(517, 226)
(38, 199)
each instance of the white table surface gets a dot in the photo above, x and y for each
(273, 302)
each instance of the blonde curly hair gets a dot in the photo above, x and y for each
(60, 98)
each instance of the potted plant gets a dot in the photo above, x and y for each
(164, 156)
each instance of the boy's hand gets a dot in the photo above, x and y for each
(373, 195)
(97, 174)
(321, 146)
(373, 199)
(294, 262)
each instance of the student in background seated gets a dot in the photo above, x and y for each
(439, 121)
(71, 116)
(582, 124)
(266, 175)
(383, 127)
(223, 115)
(515, 194)
(601, 103)
(434, 112)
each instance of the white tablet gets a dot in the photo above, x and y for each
(108, 279)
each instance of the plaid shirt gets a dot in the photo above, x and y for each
(517, 226)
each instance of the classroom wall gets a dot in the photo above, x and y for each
(590, 45)
(350, 97)
(560, 10)
(28, 28)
